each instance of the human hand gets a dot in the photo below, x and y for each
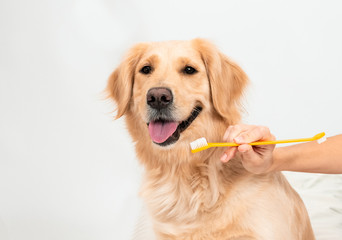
(255, 159)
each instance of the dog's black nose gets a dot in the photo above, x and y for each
(159, 98)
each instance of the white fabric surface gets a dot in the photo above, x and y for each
(322, 195)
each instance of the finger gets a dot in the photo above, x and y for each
(256, 159)
(234, 130)
(255, 134)
(227, 133)
(247, 154)
(228, 150)
(231, 132)
(243, 148)
(224, 157)
(228, 154)
(238, 129)
(231, 153)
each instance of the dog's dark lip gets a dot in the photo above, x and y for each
(181, 127)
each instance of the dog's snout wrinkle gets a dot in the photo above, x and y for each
(159, 98)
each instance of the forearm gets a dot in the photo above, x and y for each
(310, 157)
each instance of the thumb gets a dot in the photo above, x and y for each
(247, 153)
(245, 148)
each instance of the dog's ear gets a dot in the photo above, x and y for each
(120, 82)
(227, 80)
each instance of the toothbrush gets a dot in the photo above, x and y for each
(202, 144)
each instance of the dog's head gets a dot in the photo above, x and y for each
(175, 92)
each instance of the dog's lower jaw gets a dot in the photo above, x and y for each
(182, 126)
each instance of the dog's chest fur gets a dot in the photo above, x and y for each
(181, 198)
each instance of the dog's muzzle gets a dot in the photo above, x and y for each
(163, 128)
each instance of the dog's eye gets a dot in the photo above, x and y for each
(189, 70)
(146, 70)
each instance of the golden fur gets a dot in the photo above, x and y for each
(195, 196)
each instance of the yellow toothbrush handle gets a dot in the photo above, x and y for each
(316, 137)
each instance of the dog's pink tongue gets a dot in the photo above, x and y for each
(161, 131)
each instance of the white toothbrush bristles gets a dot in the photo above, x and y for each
(321, 140)
(201, 142)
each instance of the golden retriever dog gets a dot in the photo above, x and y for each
(172, 93)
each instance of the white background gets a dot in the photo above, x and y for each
(67, 170)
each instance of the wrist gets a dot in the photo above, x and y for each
(276, 162)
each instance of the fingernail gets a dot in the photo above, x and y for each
(223, 158)
(238, 139)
